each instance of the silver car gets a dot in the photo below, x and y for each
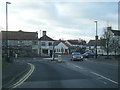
(77, 56)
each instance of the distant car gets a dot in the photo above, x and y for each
(77, 56)
(88, 55)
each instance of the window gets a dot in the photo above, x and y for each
(45, 51)
(65, 50)
(43, 43)
(50, 44)
(58, 50)
(34, 43)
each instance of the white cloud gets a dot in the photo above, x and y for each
(60, 20)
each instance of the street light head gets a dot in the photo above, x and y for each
(95, 21)
(8, 3)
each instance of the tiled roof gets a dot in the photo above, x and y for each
(71, 47)
(77, 42)
(58, 41)
(93, 42)
(46, 38)
(73, 41)
(19, 35)
(67, 45)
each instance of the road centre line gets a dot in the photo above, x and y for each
(24, 78)
(104, 77)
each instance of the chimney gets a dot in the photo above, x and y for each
(109, 28)
(44, 33)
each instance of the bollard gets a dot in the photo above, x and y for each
(16, 56)
(59, 58)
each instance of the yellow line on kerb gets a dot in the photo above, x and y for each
(24, 77)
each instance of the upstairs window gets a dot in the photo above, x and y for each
(50, 44)
(43, 43)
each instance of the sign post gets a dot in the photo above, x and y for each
(53, 56)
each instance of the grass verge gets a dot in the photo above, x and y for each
(5, 64)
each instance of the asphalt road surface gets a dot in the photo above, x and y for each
(70, 74)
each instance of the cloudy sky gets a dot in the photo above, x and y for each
(61, 20)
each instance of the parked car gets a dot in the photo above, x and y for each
(88, 55)
(77, 56)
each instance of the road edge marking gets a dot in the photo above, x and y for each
(25, 77)
(104, 77)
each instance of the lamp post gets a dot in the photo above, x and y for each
(96, 38)
(7, 51)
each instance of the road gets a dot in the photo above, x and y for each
(70, 74)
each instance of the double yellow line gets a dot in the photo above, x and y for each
(24, 77)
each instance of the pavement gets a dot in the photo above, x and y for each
(12, 73)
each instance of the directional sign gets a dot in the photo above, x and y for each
(5, 44)
(54, 45)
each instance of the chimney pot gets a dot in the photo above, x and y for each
(44, 33)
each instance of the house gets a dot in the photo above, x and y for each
(45, 46)
(91, 46)
(19, 42)
(76, 45)
(115, 36)
(116, 39)
(62, 47)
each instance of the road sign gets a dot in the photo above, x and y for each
(54, 45)
(5, 44)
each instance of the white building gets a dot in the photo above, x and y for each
(62, 48)
(91, 47)
(115, 36)
(45, 45)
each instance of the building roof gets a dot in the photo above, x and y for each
(73, 41)
(93, 42)
(19, 35)
(58, 41)
(116, 32)
(46, 38)
(67, 45)
(71, 47)
(77, 42)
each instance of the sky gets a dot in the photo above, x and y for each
(61, 19)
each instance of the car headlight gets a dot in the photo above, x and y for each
(81, 56)
(74, 57)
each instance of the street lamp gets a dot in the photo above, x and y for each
(7, 51)
(96, 38)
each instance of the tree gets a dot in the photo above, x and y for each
(116, 45)
(107, 44)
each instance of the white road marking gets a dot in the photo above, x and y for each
(50, 58)
(98, 75)
(104, 77)
(78, 67)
